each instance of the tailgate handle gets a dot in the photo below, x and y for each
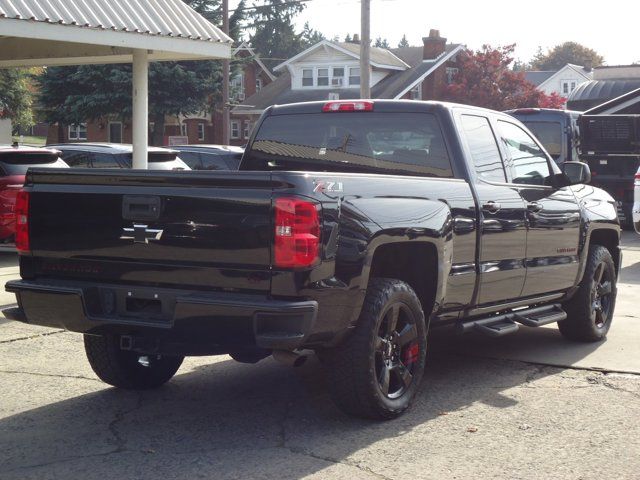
(136, 207)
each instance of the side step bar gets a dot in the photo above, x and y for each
(506, 323)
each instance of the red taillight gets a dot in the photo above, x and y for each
(353, 106)
(22, 222)
(297, 233)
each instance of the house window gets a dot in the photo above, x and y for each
(334, 96)
(307, 77)
(78, 132)
(354, 76)
(337, 79)
(323, 77)
(183, 130)
(247, 130)
(237, 88)
(201, 131)
(258, 84)
(568, 86)
(235, 129)
(416, 92)
(451, 74)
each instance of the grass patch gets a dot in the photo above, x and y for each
(31, 141)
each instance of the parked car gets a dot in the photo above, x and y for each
(561, 134)
(14, 163)
(116, 155)
(557, 131)
(210, 157)
(334, 235)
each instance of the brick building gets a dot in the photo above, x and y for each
(249, 76)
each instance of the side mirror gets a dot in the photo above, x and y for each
(576, 172)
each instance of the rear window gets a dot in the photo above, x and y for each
(550, 136)
(19, 163)
(391, 143)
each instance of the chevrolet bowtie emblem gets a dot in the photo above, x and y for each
(141, 234)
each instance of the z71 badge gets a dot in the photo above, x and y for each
(327, 187)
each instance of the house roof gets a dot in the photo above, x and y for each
(538, 77)
(395, 85)
(256, 58)
(168, 18)
(57, 32)
(629, 103)
(595, 92)
(380, 57)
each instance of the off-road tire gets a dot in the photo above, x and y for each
(352, 366)
(582, 323)
(122, 368)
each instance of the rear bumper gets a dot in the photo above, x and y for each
(201, 322)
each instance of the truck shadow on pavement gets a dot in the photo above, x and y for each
(228, 420)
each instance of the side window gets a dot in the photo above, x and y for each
(483, 147)
(530, 165)
(213, 162)
(76, 159)
(101, 160)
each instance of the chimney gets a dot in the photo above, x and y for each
(588, 65)
(356, 38)
(434, 45)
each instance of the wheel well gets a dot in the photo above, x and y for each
(413, 263)
(610, 240)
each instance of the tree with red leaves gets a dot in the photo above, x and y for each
(485, 79)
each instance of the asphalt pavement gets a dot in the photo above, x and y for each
(531, 405)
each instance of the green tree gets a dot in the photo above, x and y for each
(310, 36)
(381, 43)
(274, 36)
(70, 95)
(567, 52)
(16, 97)
(403, 42)
(348, 38)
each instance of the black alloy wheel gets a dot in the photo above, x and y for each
(397, 350)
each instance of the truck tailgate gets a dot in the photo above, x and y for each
(187, 229)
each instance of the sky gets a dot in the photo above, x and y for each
(611, 31)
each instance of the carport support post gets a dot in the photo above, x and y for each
(140, 121)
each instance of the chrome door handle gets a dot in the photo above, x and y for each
(534, 207)
(491, 207)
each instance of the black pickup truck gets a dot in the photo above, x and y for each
(351, 229)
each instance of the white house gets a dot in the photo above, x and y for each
(562, 82)
(330, 70)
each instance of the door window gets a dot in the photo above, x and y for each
(483, 148)
(105, 160)
(529, 163)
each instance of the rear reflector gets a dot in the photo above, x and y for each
(353, 106)
(22, 222)
(297, 233)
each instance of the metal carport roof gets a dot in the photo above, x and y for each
(73, 32)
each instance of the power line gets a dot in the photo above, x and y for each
(292, 2)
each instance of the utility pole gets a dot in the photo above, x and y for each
(365, 49)
(225, 78)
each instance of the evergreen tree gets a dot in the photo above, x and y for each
(274, 35)
(310, 36)
(347, 38)
(403, 42)
(381, 43)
